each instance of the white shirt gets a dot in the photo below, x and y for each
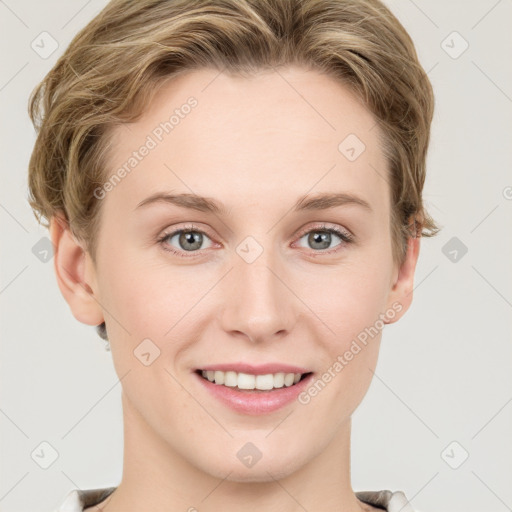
(77, 500)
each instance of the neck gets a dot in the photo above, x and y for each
(157, 477)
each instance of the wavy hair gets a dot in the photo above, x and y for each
(112, 68)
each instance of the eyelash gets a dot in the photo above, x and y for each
(345, 236)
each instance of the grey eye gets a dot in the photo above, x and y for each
(319, 239)
(188, 240)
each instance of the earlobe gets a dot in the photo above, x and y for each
(400, 296)
(70, 270)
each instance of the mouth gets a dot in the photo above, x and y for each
(254, 390)
(247, 382)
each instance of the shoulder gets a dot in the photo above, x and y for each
(386, 500)
(77, 499)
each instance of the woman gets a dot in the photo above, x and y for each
(234, 193)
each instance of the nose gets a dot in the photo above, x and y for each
(258, 303)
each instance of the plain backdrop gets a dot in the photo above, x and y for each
(437, 419)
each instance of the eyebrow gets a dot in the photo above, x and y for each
(321, 201)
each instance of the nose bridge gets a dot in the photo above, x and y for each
(258, 303)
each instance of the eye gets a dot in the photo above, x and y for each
(189, 239)
(320, 238)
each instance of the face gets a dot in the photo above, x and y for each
(257, 280)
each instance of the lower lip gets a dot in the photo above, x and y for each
(255, 402)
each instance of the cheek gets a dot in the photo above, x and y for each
(351, 310)
(354, 297)
(149, 298)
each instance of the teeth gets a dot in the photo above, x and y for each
(248, 381)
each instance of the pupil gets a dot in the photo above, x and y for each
(193, 238)
(323, 238)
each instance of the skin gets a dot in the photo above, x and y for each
(256, 145)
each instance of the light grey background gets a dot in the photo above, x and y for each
(444, 372)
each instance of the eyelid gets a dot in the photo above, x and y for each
(187, 227)
(320, 226)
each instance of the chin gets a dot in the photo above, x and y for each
(261, 475)
(263, 470)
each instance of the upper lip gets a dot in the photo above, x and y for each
(262, 369)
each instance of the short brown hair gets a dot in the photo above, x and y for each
(114, 66)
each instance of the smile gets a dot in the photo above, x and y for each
(246, 381)
(251, 394)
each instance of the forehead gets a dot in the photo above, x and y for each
(290, 130)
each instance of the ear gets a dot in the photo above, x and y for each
(73, 273)
(400, 296)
